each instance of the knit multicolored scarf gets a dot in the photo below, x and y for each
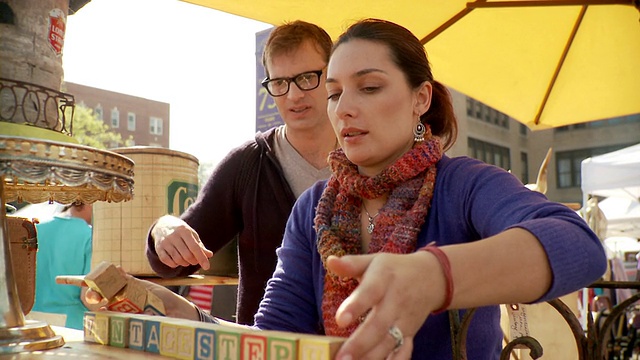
(409, 182)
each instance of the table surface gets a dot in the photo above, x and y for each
(191, 280)
(76, 348)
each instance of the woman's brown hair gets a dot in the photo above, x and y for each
(408, 53)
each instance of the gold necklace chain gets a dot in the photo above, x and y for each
(370, 218)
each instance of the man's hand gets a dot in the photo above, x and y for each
(177, 244)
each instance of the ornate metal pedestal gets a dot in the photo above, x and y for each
(36, 170)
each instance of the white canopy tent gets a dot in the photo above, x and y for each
(616, 176)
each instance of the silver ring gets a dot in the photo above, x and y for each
(396, 334)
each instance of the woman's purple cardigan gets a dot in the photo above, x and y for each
(472, 201)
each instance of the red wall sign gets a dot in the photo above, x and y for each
(57, 26)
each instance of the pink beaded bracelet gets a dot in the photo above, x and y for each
(446, 268)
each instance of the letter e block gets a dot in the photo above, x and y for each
(254, 346)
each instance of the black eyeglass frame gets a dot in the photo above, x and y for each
(289, 80)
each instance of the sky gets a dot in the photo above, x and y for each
(199, 60)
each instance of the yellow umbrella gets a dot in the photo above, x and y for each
(545, 63)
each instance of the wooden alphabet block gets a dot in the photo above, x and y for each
(119, 330)
(152, 335)
(187, 339)
(136, 333)
(106, 279)
(96, 327)
(282, 345)
(227, 340)
(205, 344)
(89, 321)
(253, 345)
(154, 305)
(177, 338)
(312, 347)
(131, 299)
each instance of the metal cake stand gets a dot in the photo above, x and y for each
(37, 170)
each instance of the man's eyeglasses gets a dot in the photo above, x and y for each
(305, 82)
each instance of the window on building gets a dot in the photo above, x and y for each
(524, 130)
(131, 121)
(98, 112)
(486, 113)
(524, 164)
(155, 125)
(627, 119)
(115, 118)
(490, 153)
(568, 164)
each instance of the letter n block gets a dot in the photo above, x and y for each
(119, 329)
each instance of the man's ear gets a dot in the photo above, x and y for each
(423, 98)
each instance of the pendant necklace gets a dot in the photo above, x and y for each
(370, 218)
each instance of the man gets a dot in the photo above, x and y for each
(252, 191)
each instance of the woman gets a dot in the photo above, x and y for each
(351, 262)
(393, 191)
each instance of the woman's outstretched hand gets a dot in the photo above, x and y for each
(396, 292)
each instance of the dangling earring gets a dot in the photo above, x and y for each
(418, 132)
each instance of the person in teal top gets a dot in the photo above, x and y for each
(64, 248)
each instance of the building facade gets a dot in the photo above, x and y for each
(493, 137)
(146, 121)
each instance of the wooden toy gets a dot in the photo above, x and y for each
(154, 305)
(132, 298)
(187, 339)
(106, 279)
